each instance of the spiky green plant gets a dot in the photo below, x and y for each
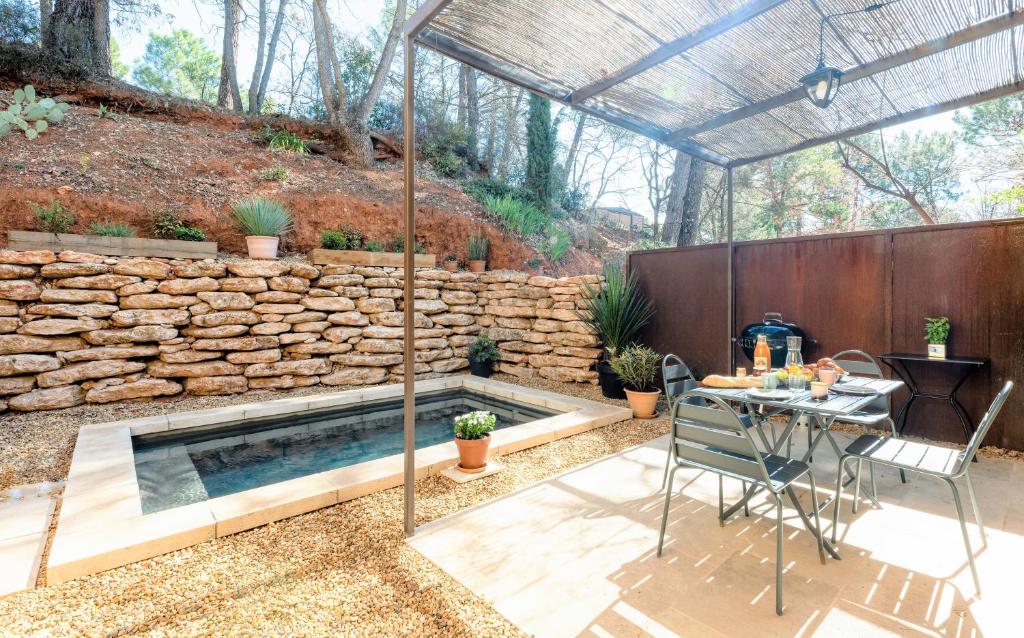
(637, 366)
(111, 229)
(617, 311)
(558, 244)
(287, 141)
(516, 215)
(478, 245)
(259, 217)
(30, 115)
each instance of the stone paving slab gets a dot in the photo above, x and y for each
(24, 523)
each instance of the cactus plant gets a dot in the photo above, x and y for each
(30, 115)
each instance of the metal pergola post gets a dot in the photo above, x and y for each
(409, 283)
(730, 276)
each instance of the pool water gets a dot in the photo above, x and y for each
(188, 466)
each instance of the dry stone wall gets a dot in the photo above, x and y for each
(78, 328)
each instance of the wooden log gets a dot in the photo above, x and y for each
(119, 246)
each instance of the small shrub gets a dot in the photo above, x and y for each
(353, 237)
(558, 244)
(475, 425)
(398, 245)
(574, 200)
(448, 164)
(483, 350)
(105, 113)
(189, 233)
(166, 223)
(374, 246)
(262, 217)
(481, 189)
(333, 240)
(276, 174)
(111, 229)
(446, 145)
(286, 141)
(478, 245)
(52, 217)
(936, 329)
(517, 216)
(637, 366)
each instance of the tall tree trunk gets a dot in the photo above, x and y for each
(45, 13)
(228, 93)
(72, 33)
(324, 68)
(492, 132)
(676, 195)
(257, 69)
(511, 124)
(574, 148)
(690, 224)
(472, 119)
(460, 112)
(261, 95)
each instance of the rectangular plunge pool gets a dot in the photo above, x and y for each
(180, 467)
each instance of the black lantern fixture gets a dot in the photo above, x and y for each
(822, 84)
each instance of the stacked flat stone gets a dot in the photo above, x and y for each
(77, 328)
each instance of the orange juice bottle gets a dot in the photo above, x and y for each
(762, 356)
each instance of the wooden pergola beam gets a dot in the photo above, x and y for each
(925, 49)
(673, 48)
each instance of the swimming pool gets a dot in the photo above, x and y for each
(181, 467)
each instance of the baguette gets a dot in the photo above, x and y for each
(719, 381)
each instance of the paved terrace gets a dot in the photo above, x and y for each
(575, 555)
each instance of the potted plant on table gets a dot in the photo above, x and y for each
(617, 311)
(472, 438)
(263, 221)
(637, 367)
(477, 252)
(483, 352)
(936, 331)
(451, 262)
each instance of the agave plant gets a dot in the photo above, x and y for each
(30, 115)
(259, 217)
(617, 311)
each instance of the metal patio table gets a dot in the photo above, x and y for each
(823, 412)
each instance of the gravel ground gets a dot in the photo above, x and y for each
(340, 571)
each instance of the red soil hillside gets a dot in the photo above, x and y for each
(126, 168)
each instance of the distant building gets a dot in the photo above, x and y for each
(628, 219)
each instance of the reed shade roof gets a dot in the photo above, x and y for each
(727, 85)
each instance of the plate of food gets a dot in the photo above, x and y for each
(852, 390)
(770, 395)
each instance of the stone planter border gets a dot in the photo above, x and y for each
(118, 246)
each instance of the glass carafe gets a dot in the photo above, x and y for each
(795, 364)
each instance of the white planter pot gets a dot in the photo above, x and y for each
(936, 350)
(261, 247)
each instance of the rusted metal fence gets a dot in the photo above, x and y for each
(869, 291)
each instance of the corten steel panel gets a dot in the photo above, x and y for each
(1006, 331)
(688, 288)
(833, 288)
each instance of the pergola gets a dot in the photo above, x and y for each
(719, 79)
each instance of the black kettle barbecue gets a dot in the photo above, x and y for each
(775, 331)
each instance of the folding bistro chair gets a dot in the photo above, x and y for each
(717, 440)
(932, 460)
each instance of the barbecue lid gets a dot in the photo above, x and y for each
(775, 331)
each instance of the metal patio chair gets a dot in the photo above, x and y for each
(932, 460)
(715, 439)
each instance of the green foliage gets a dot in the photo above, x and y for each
(483, 188)
(517, 216)
(446, 145)
(637, 367)
(284, 140)
(374, 246)
(276, 174)
(478, 246)
(179, 64)
(105, 113)
(19, 21)
(52, 217)
(574, 201)
(618, 310)
(540, 152)
(532, 263)
(333, 240)
(451, 257)
(936, 329)
(1010, 200)
(475, 425)
(111, 229)
(165, 223)
(118, 68)
(386, 115)
(262, 217)
(33, 116)
(995, 121)
(398, 245)
(189, 233)
(483, 350)
(558, 243)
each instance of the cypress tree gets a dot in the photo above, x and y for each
(540, 152)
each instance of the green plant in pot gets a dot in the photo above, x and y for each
(483, 353)
(637, 367)
(263, 221)
(617, 311)
(936, 331)
(478, 245)
(451, 262)
(472, 438)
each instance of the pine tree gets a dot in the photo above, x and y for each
(540, 152)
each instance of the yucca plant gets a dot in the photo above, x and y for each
(478, 245)
(111, 229)
(259, 217)
(617, 311)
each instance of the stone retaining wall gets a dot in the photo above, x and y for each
(77, 328)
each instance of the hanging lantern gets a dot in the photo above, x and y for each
(822, 84)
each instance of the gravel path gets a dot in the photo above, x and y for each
(340, 571)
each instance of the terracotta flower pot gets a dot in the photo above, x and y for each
(262, 247)
(451, 266)
(472, 453)
(642, 403)
(477, 265)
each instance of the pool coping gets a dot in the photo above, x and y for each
(101, 524)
